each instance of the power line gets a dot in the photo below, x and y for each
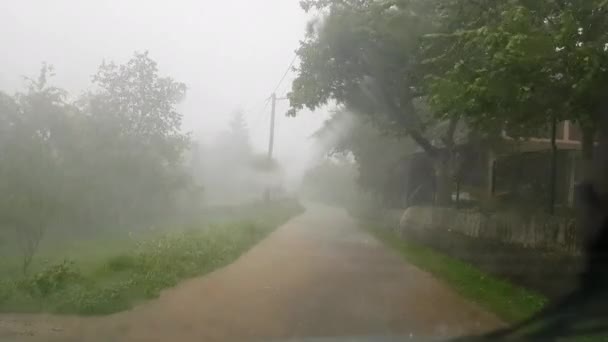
(267, 100)
(258, 116)
(283, 91)
(274, 99)
(264, 105)
(285, 74)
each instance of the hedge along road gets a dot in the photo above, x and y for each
(316, 276)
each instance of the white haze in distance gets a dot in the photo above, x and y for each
(230, 54)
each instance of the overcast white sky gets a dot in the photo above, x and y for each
(230, 54)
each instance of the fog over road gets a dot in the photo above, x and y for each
(316, 276)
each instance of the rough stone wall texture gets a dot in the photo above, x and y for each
(541, 253)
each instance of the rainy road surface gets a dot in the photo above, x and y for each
(316, 276)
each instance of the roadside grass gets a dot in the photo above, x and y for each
(509, 302)
(107, 276)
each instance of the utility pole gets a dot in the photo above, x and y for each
(273, 97)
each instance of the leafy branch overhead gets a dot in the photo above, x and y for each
(357, 56)
(413, 65)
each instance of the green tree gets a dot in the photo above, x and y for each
(375, 153)
(31, 183)
(516, 65)
(520, 64)
(138, 103)
(238, 135)
(110, 160)
(366, 55)
(135, 133)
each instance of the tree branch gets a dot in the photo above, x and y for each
(448, 139)
(404, 113)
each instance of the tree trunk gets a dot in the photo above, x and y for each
(444, 167)
(443, 181)
(587, 147)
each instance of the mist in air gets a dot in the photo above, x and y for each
(198, 170)
(142, 143)
(229, 55)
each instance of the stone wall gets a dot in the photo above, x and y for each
(541, 253)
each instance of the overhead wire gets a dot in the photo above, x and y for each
(259, 118)
(293, 61)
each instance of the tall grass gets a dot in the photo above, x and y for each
(94, 282)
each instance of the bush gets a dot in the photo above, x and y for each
(54, 278)
(14, 298)
(121, 263)
(8, 290)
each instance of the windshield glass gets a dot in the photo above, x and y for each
(315, 169)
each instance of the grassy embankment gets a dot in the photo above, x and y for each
(509, 302)
(108, 274)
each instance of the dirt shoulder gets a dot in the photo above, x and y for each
(316, 276)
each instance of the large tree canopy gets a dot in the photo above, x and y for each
(376, 154)
(108, 161)
(367, 55)
(412, 64)
(364, 54)
(135, 102)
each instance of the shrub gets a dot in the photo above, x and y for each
(121, 263)
(91, 300)
(7, 290)
(52, 279)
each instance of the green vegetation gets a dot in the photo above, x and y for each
(359, 154)
(113, 275)
(508, 301)
(110, 159)
(448, 73)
